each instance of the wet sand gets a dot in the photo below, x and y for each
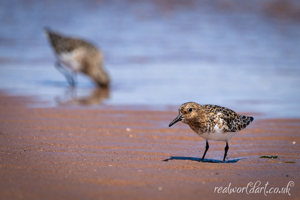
(84, 153)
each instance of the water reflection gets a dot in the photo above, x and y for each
(231, 53)
(72, 96)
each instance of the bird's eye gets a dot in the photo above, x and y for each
(190, 109)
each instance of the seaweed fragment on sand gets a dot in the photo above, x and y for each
(272, 157)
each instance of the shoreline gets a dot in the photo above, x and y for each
(60, 153)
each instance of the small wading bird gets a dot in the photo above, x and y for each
(212, 122)
(74, 55)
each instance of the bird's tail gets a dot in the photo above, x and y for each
(47, 31)
(246, 119)
(54, 37)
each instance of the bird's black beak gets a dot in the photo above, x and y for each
(177, 119)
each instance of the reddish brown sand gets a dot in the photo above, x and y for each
(77, 153)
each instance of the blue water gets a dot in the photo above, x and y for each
(158, 53)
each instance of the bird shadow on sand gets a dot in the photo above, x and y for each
(199, 159)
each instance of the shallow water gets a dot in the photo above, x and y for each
(158, 54)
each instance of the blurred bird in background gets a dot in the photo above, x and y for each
(76, 55)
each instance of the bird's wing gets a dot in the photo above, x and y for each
(223, 118)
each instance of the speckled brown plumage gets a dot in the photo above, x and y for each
(206, 117)
(212, 122)
(78, 56)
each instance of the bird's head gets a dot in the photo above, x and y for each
(187, 113)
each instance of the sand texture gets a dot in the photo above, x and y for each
(84, 153)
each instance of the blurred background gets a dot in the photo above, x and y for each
(244, 55)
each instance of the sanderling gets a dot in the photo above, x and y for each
(75, 55)
(212, 122)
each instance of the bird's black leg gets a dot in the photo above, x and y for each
(206, 148)
(226, 149)
(66, 73)
(74, 77)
